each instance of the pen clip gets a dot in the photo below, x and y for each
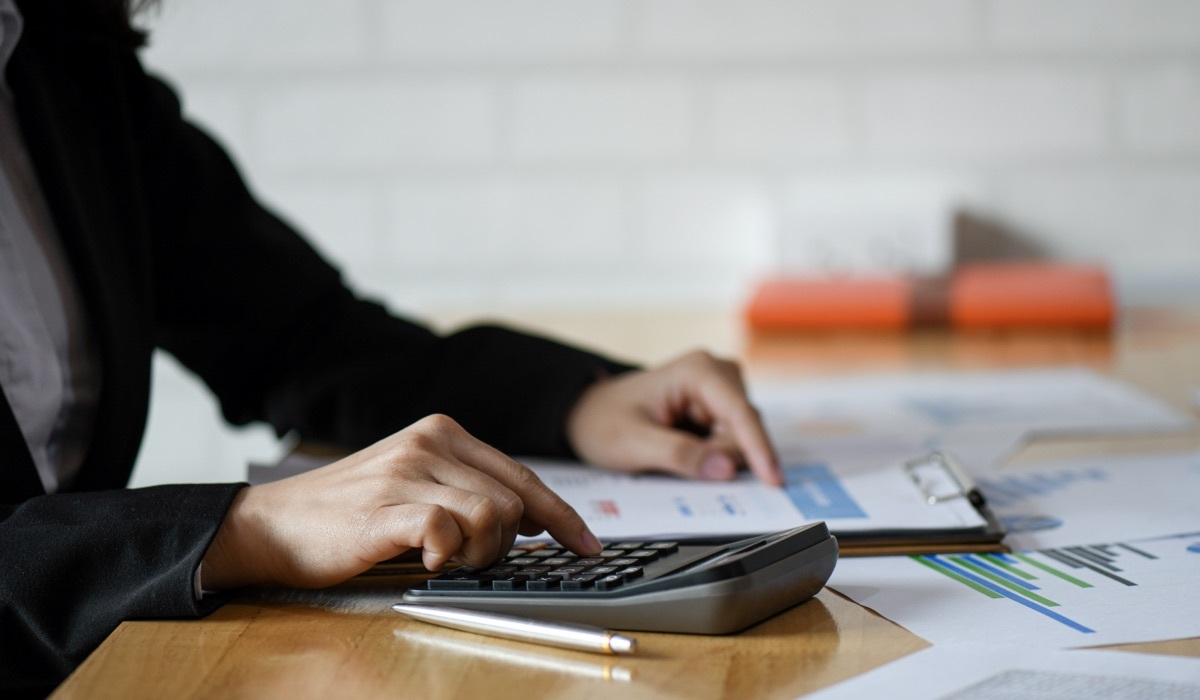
(934, 489)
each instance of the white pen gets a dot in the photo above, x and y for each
(567, 635)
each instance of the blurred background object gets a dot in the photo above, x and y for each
(589, 156)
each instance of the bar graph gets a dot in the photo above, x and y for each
(1118, 591)
(1024, 578)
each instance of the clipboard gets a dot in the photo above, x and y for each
(940, 477)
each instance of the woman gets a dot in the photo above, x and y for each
(123, 228)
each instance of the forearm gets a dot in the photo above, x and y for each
(509, 389)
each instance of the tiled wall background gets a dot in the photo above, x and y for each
(498, 154)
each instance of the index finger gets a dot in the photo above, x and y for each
(725, 398)
(543, 507)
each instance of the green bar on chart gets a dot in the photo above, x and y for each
(961, 561)
(1053, 571)
(946, 572)
(993, 559)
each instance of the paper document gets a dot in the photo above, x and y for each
(981, 416)
(1061, 597)
(988, 671)
(618, 505)
(1058, 401)
(1109, 498)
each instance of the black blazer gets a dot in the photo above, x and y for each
(172, 251)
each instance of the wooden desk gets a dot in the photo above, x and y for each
(263, 648)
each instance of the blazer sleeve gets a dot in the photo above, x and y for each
(77, 564)
(249, 306)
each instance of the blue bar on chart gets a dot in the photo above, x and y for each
(818, 494)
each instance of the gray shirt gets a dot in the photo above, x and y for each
(49, 367)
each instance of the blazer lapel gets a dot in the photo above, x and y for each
(76, 149)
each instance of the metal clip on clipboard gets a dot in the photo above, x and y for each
(941, 477)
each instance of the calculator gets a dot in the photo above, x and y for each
(695, 586)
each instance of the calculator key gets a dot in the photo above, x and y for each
(664, 547)
(558, 561)
(607, 583)
(631, 573)
(525, 550)
(499, 571)
(533, 571)
(624, 561)
(611, 553)
(548, 552)
(565, 571)
(644, 554)
(601, 570)
(589, 561)
(522, 561)
(512, 583)
(544, 583)
(455, 583)
(628, 545)
(578, 583)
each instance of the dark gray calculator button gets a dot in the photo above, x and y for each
(513, 583)
(628, 545)
(631, 573)
(455, 584)
(558, 561)
(611, 553)
(545, 583)
(543, 553)
(601, 570)
(664, 547)
(589, 561)
(577, 583)
(498, 571)
(624, 561)
(533, 571)
(564, 571)
(522, 561)
(644, 554)
(609, 582)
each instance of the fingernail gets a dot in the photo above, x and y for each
(590, 543)
(717, 467)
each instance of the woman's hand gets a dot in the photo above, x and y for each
(430, 486)
(690, 416)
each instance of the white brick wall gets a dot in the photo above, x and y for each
(348, 125)
(796, 28)
(611, 119)
(523, 138)
(1093, 26)
(488, 153)
(985, 113)
(778, 118)
(510, 31)
(1159, 109)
